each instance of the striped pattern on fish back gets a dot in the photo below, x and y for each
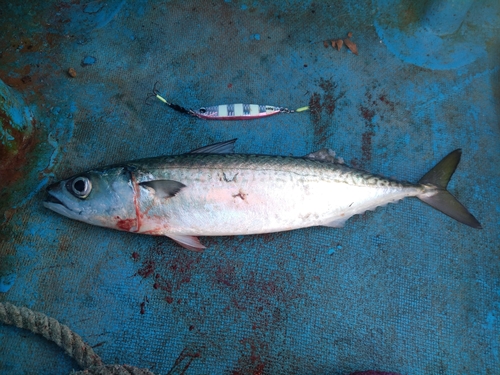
(296, 165)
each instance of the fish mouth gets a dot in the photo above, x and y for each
(55, 204)
(52, 199)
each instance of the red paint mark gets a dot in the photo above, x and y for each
(229, 85)
(148, 268)
(135, 256)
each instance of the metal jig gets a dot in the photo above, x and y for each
(228, 112)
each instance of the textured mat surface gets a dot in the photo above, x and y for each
(402, 289)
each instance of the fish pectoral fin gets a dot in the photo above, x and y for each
(226, 147)
(188, 242)
(337, 223)
(164, 188)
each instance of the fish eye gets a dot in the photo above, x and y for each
(203, 110)
(80, 187)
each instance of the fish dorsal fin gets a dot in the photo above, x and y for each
(226, 147)
(187, 242)
(326, 155)
(164, 188)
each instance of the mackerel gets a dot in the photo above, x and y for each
(213, 192)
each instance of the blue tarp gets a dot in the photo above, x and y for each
(403, 289)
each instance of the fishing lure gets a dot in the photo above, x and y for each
(238, 111)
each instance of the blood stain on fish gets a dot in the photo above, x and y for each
(126, 224)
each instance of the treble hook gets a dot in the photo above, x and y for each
(176, 107)
(154, 94)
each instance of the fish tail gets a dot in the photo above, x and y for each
(440, 198)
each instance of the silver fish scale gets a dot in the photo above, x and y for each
(296, 165)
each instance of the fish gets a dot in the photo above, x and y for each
(212, 191)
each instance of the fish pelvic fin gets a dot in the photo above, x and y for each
(188, 242)
(440, 198)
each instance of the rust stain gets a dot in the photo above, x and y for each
(15, 156)
(21, 79)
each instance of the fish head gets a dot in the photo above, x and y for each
(103, 197)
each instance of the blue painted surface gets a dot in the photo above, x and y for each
(402, 289)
